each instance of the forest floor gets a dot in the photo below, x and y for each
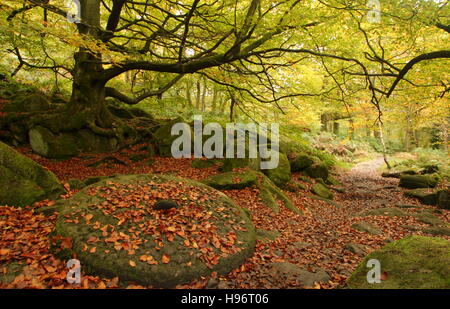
(319, 245)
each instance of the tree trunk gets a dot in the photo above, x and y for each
(88, 92)
(197, 102)
(380, 127)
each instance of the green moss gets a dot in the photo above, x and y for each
(231, 163)
(423, 195)
(199, 163)
(388, 212)
(416, 262)
(282, 173)
(321, 191)
(269, 193)
(301, 162)
(443, 199)
(232, 180)
(163, 137)
(23, 180)
(49, 145)
(317, 170)
(418, 181)
(265, 235)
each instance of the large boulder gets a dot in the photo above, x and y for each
(68, 144)
(301, 162)
(49, 145)
(231, 163)
(418, 181)
(425, 196)
(282, 173)
(117, 231)
(443, 199)
(318, 170)
(163, 137)
(416, 262)
(23, 181)
(33, 102)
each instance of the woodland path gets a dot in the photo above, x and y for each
(324, 239)
(318, 249)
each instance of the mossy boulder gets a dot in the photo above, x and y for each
(425, 196)
(67, 144)
(33, 102)
(282, 173)
(418, 181)
(23, 181)
(428, 218)
(232, 180)
(366, 227)
(163, 137)
(231, 163)
(321, 191)
(415, 262)
(49, 145)
(201, 163)
(443, 199)
(89, 142)
(318, 170)
(301, 162)
(207, 233)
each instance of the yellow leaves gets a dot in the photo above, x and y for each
(132, 263)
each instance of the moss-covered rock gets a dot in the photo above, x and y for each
(23, 181)
(232, 180)
(428, 218)
(425, 196)
(49, 145)
(201, 163)
(269, 193)
(388, 212)
(89, 142)
(231, 163)
(418, 181)
(301, 162)
(282, 173)
(438, 230)
(332, 181)
(76, 184)
(265, 235)
(321, 191)
(443, 199)
(318, 170)
(366, 227)
(163, 137)
(33, 102)
(160, 248)
(416, 262)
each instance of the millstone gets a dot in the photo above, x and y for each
(207, 232)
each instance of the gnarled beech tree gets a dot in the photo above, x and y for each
(182, 37)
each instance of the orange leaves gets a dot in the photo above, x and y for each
(132, 263)
(4, 251)
(148, 259)
(165, 259)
